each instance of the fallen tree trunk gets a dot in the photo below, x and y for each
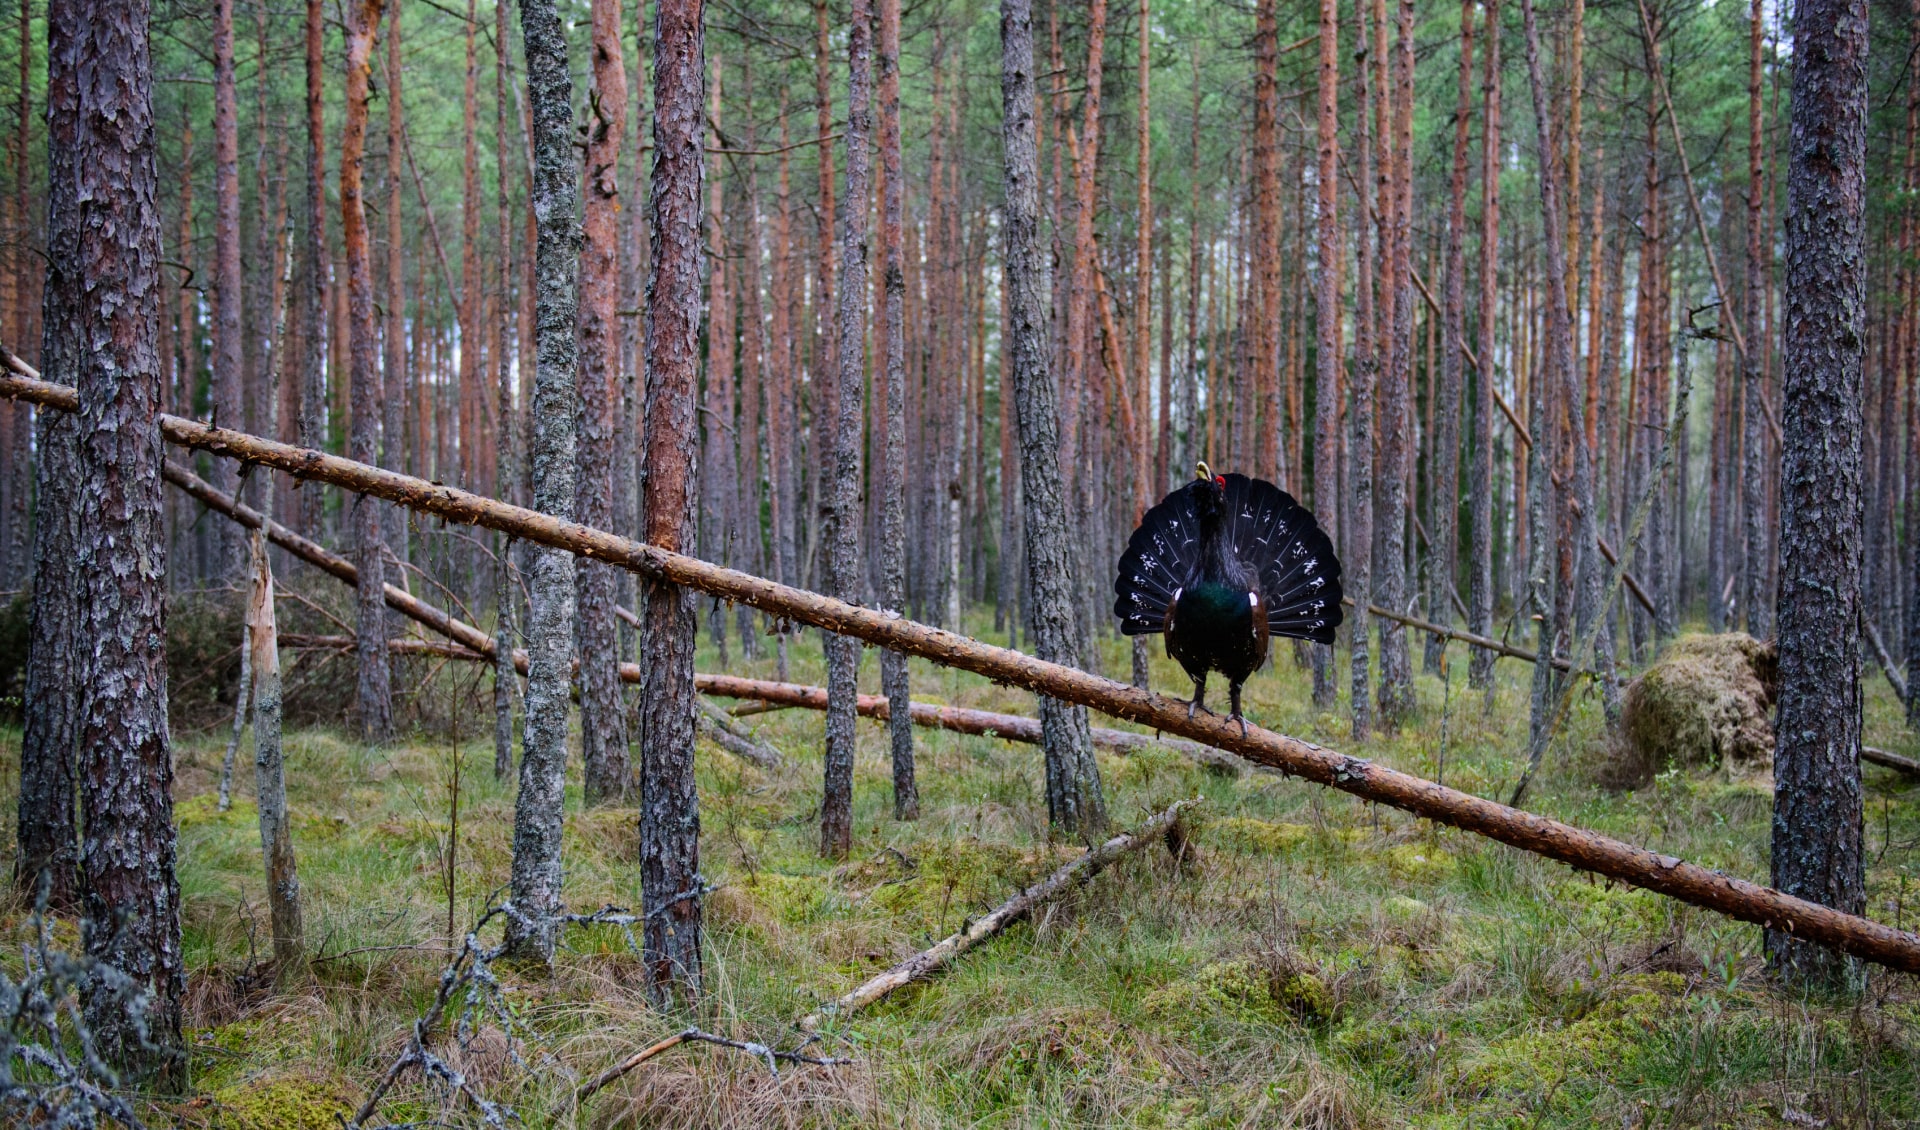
(982, 723)
(1498, 647)
(329, 562)
(1577, 847)
(729, 735)
(985, 723)
(1894, 678)
(927, 962)
(1888, 759)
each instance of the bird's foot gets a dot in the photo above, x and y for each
(1237, 717)
(1194, 705)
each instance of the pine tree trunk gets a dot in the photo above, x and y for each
(603, 724)
(669, 804)
(17, 470)
(1756, 599)
(1818, 838)
(1911, 359)
(536, 879)
(1559, 376)
(841, 573)
(783, 434)
(228, 281)
(48, 847)
(825, 367)
(1327, 314)
(889, 476)
(374, 682)
(101, 133)
(1481, 476)
(1396, 393)
(1264, 339)
(506, 446)
(1443, 484)
(394, 393)
(1359, 530)
(1149, 453)
(313, 287)
(1074, 796)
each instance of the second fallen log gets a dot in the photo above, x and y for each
(927, 962)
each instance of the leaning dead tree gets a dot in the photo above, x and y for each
(1576, 847)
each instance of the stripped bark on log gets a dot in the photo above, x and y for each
(1576, 847)
(927, 962)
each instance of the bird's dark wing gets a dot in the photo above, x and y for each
(1278, 541)
(1162, 557)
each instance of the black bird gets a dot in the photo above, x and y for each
(1221, 565)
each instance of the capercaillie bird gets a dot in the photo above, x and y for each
(1220, 566)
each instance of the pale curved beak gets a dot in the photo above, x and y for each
(1201, 471)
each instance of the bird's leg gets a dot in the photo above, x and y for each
(1199, 697)
(1233, 696)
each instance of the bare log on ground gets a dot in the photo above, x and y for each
(927, 962)
(1576, 847)
(727, 733)
(984, 723)
(1890, 760)
(731, 736)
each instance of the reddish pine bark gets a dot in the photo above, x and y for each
(603, 730)
(102, 196)
(669, 804)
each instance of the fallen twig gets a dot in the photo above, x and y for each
(772, 1056)
(927, 962)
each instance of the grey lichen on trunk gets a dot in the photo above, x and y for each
(1074, 797)
(48, 848)
(1818, 838)
(537, 815)
(670, 881)
(105, 131)
(890, 480)
(843, 500)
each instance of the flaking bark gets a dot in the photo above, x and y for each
(125, 764)
(1818, 838)
(536, 882)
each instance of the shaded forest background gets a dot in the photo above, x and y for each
(1190, 335)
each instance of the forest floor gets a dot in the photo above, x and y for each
(1320, 962)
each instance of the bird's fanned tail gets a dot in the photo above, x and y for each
(1162, 557)
(1273, 535)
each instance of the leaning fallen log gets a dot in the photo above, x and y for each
(723, 731)
(329, 562)
(1577, 847)
(985, 723)
(982, 723)
(1888, 759)
(927, 962)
